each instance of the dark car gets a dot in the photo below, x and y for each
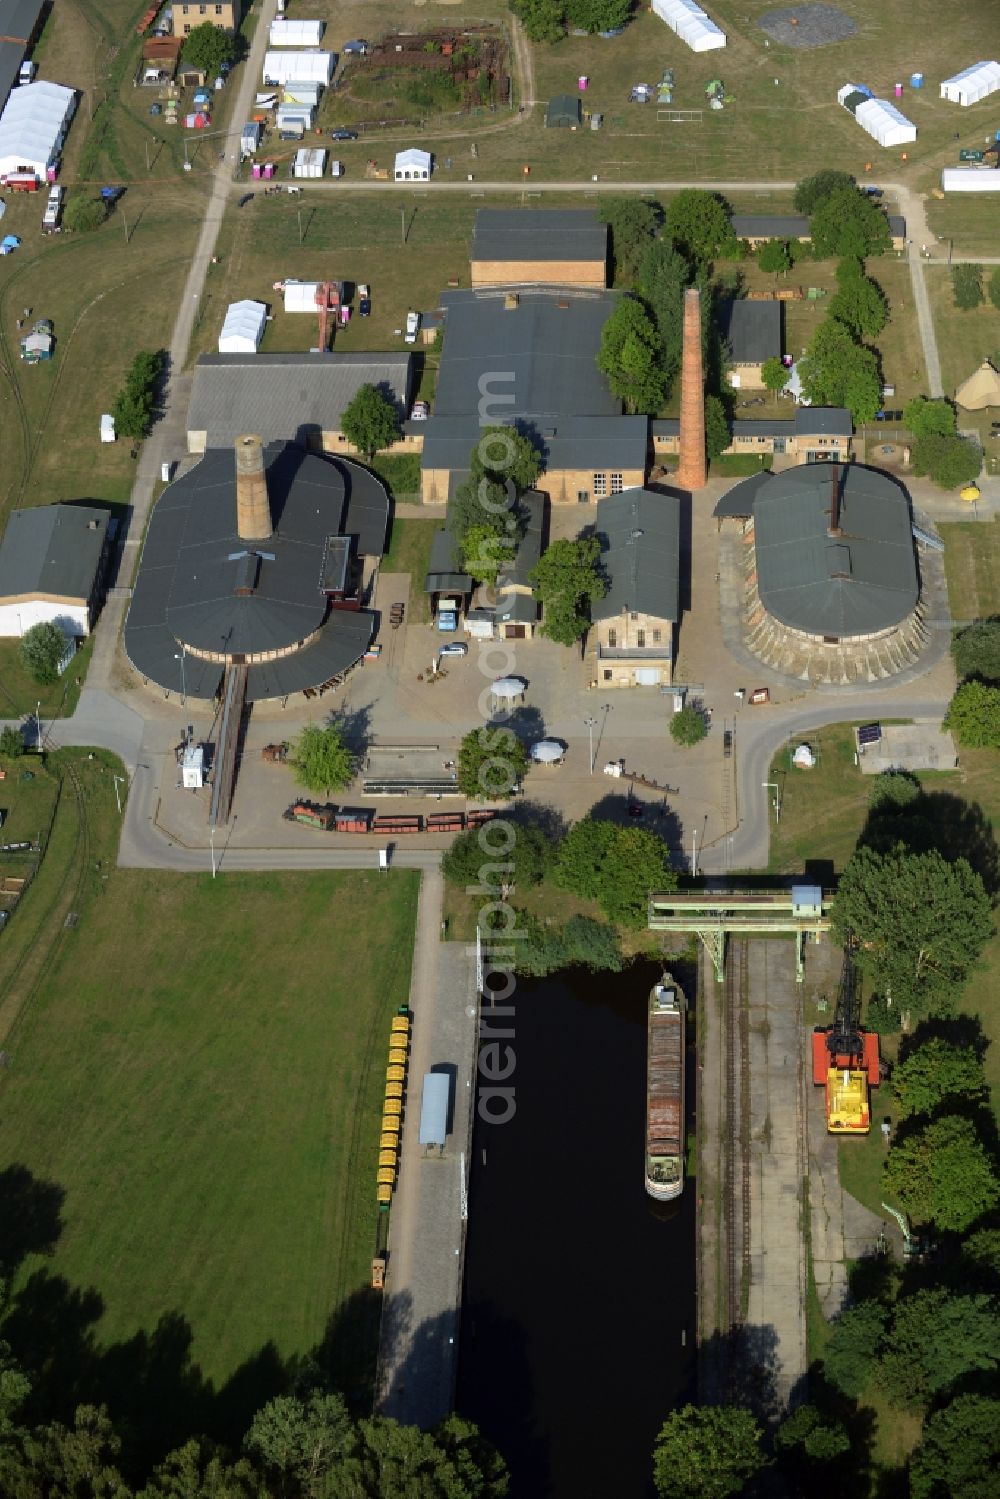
(365, 307)
(244, 200)
(343, 134)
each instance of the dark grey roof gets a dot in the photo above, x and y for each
(286, 397)
(11, 57)
(752, 329)
(516, 608)
(599, 443)
(442, 572)
(185, 590)
(770, 225)
(823, 421)
(19, 19)
(808, 421)
(738, 501)
(563, 109)
(529, 547)
(52, 549)
(574, 234)
(897, 225)
(862, 579)
(640, 535)
(742, 426)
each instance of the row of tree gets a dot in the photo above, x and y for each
(135, 403)
(974, 711)
(548, 20)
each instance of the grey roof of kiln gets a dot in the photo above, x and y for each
(770, 225)
(286, 397)
(185, 593)
(738, 502)
(640, 533)
(572, 234)
(52, 549)
(599, 443)
(752, 329)
(857, 581)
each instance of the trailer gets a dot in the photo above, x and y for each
(403, 823)
(313, 815)
(354, 820)
(446, 822)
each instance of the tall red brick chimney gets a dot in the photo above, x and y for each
(692, 472)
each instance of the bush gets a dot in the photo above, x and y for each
(11, 744)
(136, 401)
(883, 1016)
(974, 714)
(687, 726)
(967, 286)
(81, 215)
(976, 650)
(926, 418)
(950, 461)
(41, 650)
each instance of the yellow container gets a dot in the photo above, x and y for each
(397, 1056)
(388, 1141)
(401, 1024)
(386, 1176)
(390, 1125)
(383, 1194)
(394, 1090)
(395, 1074)
(392, 1106)
(387, 1158)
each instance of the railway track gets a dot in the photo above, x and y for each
(735, 1206)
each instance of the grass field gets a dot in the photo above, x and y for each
(972, 568)
(969, 222)
(964, 340)
(216, 1186)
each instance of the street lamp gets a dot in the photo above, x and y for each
(179, 656)
(38, 726)
(773, 786)
(118, 798)
(590, 723)
(211, 840)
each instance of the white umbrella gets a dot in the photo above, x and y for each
(547, 751)
(507, 687)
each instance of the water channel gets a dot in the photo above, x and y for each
(579, 1313)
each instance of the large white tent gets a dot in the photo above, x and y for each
(33, 127)
(970, 180)
(300, 296)
(307, 66)
(691, 24)
(412, 165)
(243, 328)
(298, 33)
(972, 84)
(884, 123)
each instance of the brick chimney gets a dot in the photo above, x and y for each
(692, 473)
(253, 512)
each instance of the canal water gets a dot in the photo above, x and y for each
(579, 1312)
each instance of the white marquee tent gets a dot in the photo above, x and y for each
(691, 24)
(970, 180)
(286, 66)
(972, 84)
(33, 127)
(412, 165)
(884, 123)
(300, 296)
(300, 33)
(243, 328)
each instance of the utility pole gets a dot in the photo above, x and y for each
(298, 215)
(402, 224)
(118, 798)
(694, 851)
(38, 726)
(211, 840)
(590, 722)
(773, 786)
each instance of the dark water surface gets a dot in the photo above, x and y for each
(578, 1288)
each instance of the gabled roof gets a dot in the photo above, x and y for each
(640, 535)
(823, 421)
(752, 329)
(52, 549)
(567, 234)
(770, 225)
(529, 548)
(443, 575)
(18, 19)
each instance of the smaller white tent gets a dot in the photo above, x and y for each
(548, 751)
(309, 162)
(506, 689)
(288, 33)
(972, 84)
(970, 180)
(691, 24)
(300, 296)
(884, 123)
(33, 127)
(412, 165)
(287, 65)
(107, 427)
(243, 328)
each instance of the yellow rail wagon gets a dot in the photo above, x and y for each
(383, 1195)
(387, 1158)
(390, 1125)
(401, 1025)
(386, 1176)
(393, 1106)
(397, 1056)
(394, 1090)
(388, 1141)
(395, 1074)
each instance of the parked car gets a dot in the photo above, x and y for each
(27, 71)
(455, 648)
(364, 306)
(244, 200)
(343, 134)
(53, 210)
(357, 48)
(412, 325)
(420, 412)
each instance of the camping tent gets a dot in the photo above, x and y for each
(970, 180)
(300, 296)
(308, 66)
(36, 346)
(302, 33)
(884, 123)
(691, 24)
(243, 328)
(562, 112)
(33, 126)
(412, 165)
(973, 84)
(982, 389)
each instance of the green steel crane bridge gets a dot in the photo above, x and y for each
(803, 911)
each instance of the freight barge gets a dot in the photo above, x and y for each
(665, 1091)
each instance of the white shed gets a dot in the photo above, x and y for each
(243, 328)
(33, 127)
(310, 161)
(691, 24)
(413, 165)
(884, 123)
(287, 65)
(300, 296)
(970, 180)
(301, 33)
(972, 84)
(107, 427)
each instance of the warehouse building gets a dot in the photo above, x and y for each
(20, 27)
(752, 331)
(814, 434)
(539, 247)
(635, 623)
(52, 568)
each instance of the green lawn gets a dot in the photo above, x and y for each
(972, 568)
(410, 552)
(20, 694)
(198, 1068)
(823, 809)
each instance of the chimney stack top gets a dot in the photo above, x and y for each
(253, 510)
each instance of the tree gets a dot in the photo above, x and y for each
(942, 1174)
(774, 257)
(597, 15)
(950, 461)
(774, 375)
(298, 1441)
(707, 1452)
(936, 1339)
(697, 223)
(848, 222)
(617, 867)
(976, 650)
(860, 302)
(633, 222)
(581, 857)
(321, 760)
(486, 549)
(959, 1451)
(81, 215)
(541, 19)
(851, 1350)
(470, 863)
(54, 1461)
(717, 435)
(663, 278)
(967, 286)
(927, 418)
(207, 47)
(370, 422)
(583, 943)
(134, 405)
(974, 714)
(920, 923)
(42, 649)
(687, 726)
(630, 357)
(11, 744)
(567, 579)
(390, 1461)
(809, 1437)
(994, 288)
(491, 764)
(814, 190)
(836, 371)
(198, 1471)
